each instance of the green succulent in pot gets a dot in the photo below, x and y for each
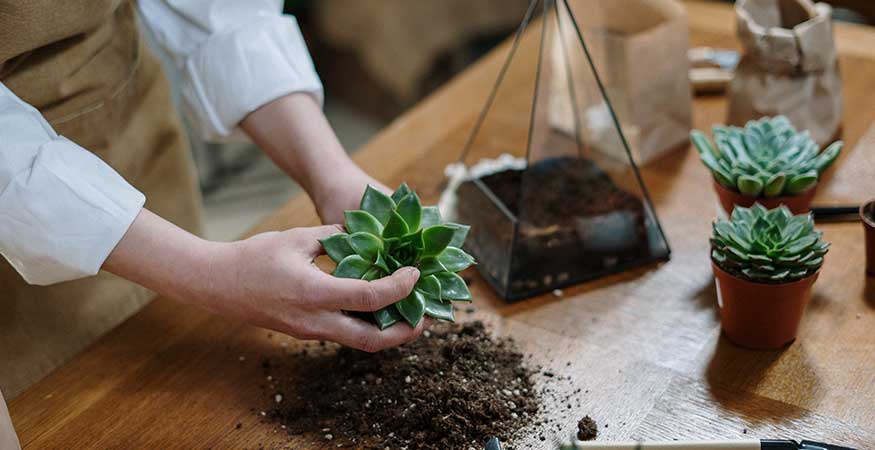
(765, 158)
(391, 232)
(768, 246)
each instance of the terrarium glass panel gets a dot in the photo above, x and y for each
(546, 179)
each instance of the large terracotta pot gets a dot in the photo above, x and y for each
(867, 214)
(798, 204)
(761, 315)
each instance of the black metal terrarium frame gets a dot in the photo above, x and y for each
(517, 267)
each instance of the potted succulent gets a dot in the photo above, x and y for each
(767, 161)
(391, 232)
(765, 263)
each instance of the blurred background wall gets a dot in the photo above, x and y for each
(376, 58)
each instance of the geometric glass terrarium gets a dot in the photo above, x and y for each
(546, 179)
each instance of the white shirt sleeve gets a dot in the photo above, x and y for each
(62, 209)
(232, 56)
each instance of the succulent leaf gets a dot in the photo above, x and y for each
(410, 209)
(359, 220)
(429, 286)
(431, 216)
(750, 160)
(377, 203)
(387, 317)
(777, 246)
(453, 287)
(440, 310)
(430, 266)
(436, 239)
(396, 227)
(337, 247)
(353, 266)
(401, 192)
(366, 245)
(412, 308)
(455, 259)
(802, 182)
(390, 232)
(459, 235)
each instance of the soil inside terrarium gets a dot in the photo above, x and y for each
(555, 191)
(575, 223)
(453, 388)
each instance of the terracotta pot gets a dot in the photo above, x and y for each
(867, 214)
(761, 315)
(798, 204)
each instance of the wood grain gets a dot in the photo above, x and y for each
(644, 347)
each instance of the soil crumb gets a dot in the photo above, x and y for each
(587, 429)
(451, 389)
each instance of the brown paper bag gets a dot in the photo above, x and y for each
(639, 48)
(789, 66)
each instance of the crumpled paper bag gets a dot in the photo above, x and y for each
(789, 67)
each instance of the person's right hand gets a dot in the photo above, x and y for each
(269, 280)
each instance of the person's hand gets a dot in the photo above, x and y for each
(270, 280)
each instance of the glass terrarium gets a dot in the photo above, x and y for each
(545, 178)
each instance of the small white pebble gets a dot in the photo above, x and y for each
(278, 398)
(408, 380)
(326, 430)
(426, 333)
(241, 359)
(506, 392)
(263, 413)
(329, 436)
(514, 415)
(557, 292)
(269, 378)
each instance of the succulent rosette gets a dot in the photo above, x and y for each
(387, 233)
(768, 246)
(766, 158)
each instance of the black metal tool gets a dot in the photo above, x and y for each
(836, 213)
(746, 444)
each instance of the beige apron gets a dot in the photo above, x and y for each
(85, 66)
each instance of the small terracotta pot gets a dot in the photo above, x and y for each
(798, 204)
(867, 215)
(761, 315)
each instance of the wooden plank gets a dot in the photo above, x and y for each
(644, 347)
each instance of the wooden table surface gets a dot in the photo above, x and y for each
(645, 344)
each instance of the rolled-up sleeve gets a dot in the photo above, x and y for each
(231, 57)
(62, 209)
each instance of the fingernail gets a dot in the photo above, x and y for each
(410, 270)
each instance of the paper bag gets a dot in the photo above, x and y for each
(789, 66)
(639, 48)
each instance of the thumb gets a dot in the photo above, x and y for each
(358, 295)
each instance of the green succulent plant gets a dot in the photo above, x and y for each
(767, 246)
(391, 232)
(767, 157)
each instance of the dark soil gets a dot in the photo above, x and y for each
(587, 429)
(575, 223)
(555, 191)
(451, 389)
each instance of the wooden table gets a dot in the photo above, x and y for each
(646, 344)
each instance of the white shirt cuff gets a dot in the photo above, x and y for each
(235, 72)
(62, 215)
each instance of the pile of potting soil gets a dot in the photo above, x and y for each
(451, 389)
